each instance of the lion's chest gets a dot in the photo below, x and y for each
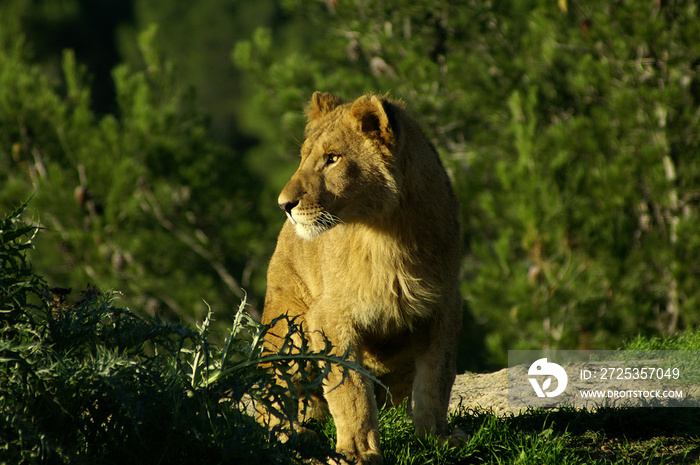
(375, 284)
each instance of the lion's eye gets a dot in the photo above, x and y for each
(332, 158)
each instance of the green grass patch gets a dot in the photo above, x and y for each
(634, 436)
(689, 340)
(537, 437)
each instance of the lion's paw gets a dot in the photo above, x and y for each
(367, 458)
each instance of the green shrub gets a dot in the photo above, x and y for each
(87, 381)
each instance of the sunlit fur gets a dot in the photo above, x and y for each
(309, 228)
(369, 258)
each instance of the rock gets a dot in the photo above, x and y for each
(482, 391)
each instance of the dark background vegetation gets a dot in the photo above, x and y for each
(153, 138)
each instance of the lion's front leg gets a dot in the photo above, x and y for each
(352, 404)
(354, 410)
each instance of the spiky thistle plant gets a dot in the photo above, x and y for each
(83, 380)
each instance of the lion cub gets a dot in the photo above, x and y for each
(369, 258)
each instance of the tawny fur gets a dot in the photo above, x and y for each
(369, 257)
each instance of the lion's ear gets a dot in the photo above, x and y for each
(373, 120)
(321, 103)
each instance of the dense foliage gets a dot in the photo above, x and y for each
(142, 201)
(571, 130)
(573, 135)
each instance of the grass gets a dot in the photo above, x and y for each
(85, 381)
(567, 436)
(685, 341)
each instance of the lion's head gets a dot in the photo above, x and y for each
(348, 171)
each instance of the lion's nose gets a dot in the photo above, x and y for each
(288, 206)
